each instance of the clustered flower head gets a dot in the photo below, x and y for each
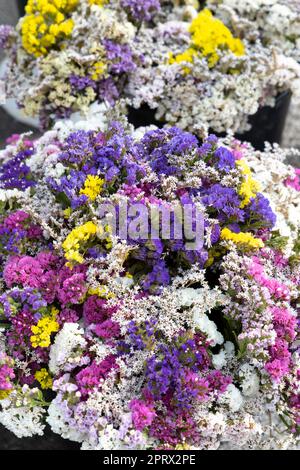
(66, 55)
(46, 24)
(275, 22)
(147, 342)
(208, 35)
(204, 74)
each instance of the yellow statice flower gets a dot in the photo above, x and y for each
(43, 330)
(243, 238)
(45, 24)
(92, 187)
(4, 394)
(44, 378)
(77, 238)
(100, 3)
(249, 187)
(208, 36)
(98, 69)
(186, 56)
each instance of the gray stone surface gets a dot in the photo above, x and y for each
(8, 12)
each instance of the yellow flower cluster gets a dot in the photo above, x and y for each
(92, 187)
(249, 187)
(209, 35)
(242, 238)
(44, 378)
(45, 24)
(98, 2)
(43, 330)
(74, 241)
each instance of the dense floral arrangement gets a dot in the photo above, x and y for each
(176, 57)
(121, 340)
(276, 22)
(212, 78)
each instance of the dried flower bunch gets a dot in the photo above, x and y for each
(199, 74)
(196, 71)
(123, 342)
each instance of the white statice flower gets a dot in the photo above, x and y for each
(226, 354)
(23, 421)
(219, 360)
(94, 118)
(203, 297)
(67, 348)
(10, 194)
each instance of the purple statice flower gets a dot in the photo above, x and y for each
(6, 372)
(108, 91)
(18, 336)
(118, 158)
(97, 310)
(218, 382)
(67, 315)
(259, 211)
(141, 335)
(215, 234)
(141, 11)
(70, 186)
(279, 363)
(12, 240)
(285, 325)
(109, 329)
(24, 270)
(174, 427)
(167, 372)
(6, 32)
(157, 145)
(15, 174)
(120, 57)
(28, 298)
(225, 202)
(208, 146)
(72, 289)
(78, 147)
(81, 83)
(158, 277)
(17, 228)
